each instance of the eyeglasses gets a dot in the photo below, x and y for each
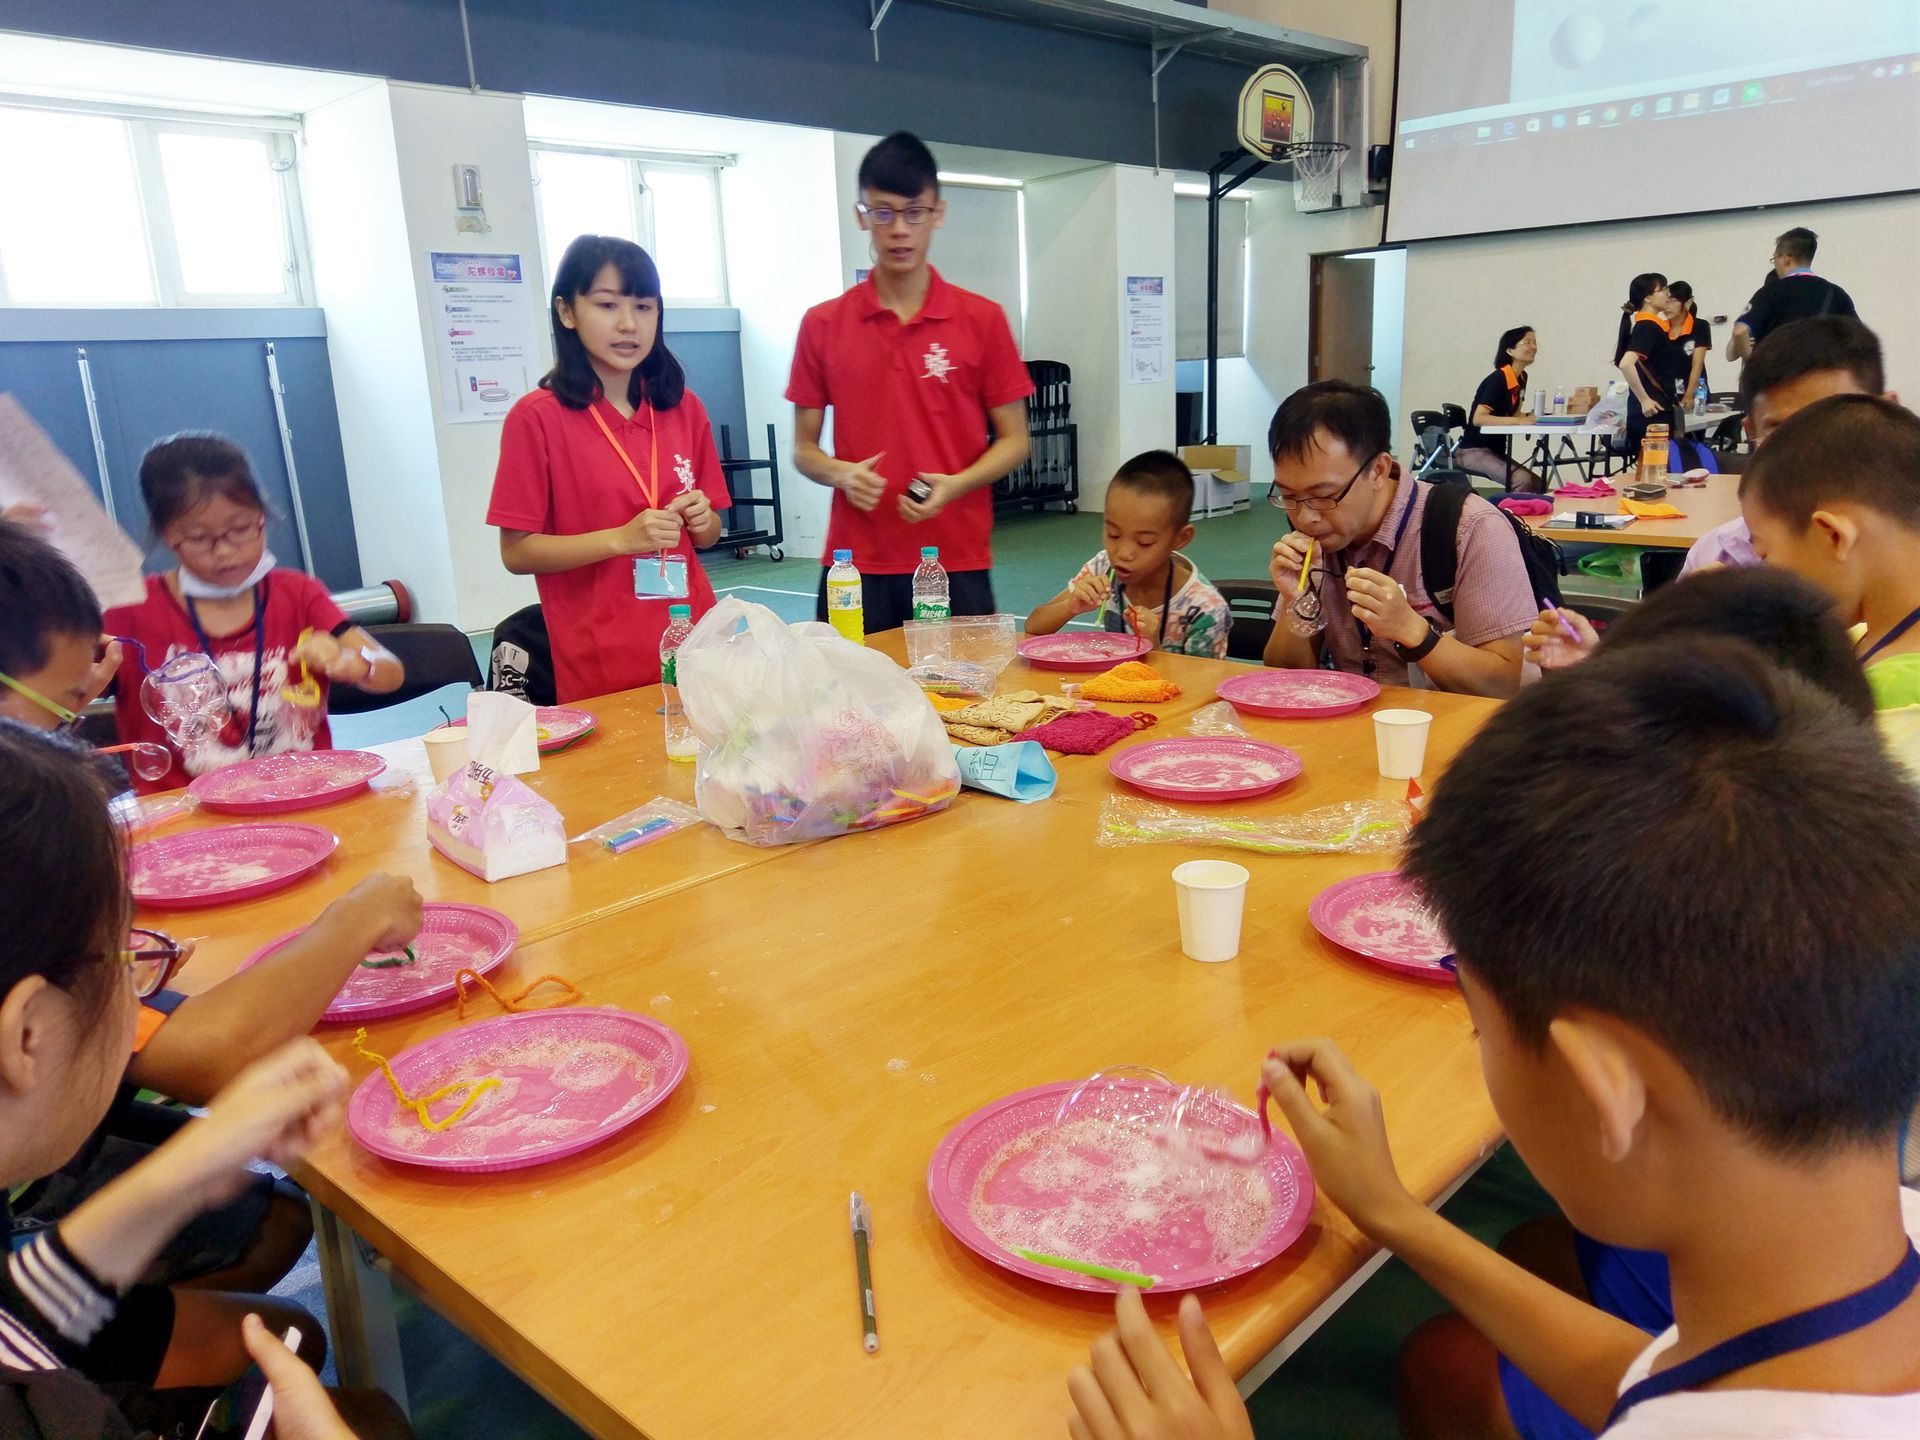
(68, 720)
(886, 214)
(235, 536)
(1319, 504)
(152, 959)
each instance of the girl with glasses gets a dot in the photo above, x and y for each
(74, 1315)
(275, 635)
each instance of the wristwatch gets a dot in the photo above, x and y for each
(1412, 654)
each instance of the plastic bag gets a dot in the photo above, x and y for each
(1219, 718)
(1355, 828)
(804, 735)
(658, 818)
(480, 817)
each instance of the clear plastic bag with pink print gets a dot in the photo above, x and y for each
(805, 735)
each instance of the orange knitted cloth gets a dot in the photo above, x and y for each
(1131, 682)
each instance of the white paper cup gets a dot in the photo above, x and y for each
(446, 750)
(1400, 736)
(1212, 897)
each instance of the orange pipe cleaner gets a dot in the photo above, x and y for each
(474, 1088)
(515, 1002)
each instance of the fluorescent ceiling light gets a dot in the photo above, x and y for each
(1201, 192)
(993, 182)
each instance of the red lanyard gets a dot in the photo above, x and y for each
(649, 487)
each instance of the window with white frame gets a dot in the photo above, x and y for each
(668, 205)
(113, 206)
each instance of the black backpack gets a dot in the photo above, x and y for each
(1440, 549)
(523, 657)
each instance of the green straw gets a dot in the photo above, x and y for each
(1087, 1267)
(387, 962)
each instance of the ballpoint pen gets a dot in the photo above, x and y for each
(862, 1219)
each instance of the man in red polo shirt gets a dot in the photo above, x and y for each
(917, 372)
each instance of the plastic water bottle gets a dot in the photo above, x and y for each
(931, 599)
(846, 611)
(1559, 400)
(1540, 401)
(1700, 396)
(680, 742)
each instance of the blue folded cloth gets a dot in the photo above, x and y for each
(1020, 771)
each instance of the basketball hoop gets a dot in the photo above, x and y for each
(1276, 123)
(1315, 163)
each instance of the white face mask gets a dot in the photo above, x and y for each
(194, 588)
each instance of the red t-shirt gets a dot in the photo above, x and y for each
(558, 476)
(920, 391)
(295, 601)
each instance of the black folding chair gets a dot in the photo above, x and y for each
(1251, 603)
(435, 655)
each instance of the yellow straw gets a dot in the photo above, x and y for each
(1305, 561)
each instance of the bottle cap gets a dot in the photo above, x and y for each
(679, 612)
(843, 557)
(929, 552)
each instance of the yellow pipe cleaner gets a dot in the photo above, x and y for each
(515, 1002)
(474, 1088)
(306, 694)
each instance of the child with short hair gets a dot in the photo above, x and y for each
(1717, 1072)
(1140, 582)
(1834, 495)
(54, 661)
(264, 626)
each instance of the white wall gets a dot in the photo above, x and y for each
(1086, 232)
(1389, 324)
(366, 282)
(433, 131)
(783, 257)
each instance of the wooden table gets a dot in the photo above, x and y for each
(1703, 507)
(845, 1004)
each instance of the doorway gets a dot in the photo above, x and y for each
(1356, 321)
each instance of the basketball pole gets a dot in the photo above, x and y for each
(1217, 190)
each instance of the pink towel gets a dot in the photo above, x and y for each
(1088, 732)
(1598, 490)
(1525, 505)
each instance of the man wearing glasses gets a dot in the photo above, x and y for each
(917, 372)
(1793, 292)
(1349, 573)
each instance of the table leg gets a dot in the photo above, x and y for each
(366, 1332)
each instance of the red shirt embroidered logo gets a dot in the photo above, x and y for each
(937, 363)
(683, 472)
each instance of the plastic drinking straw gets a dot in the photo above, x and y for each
(1087, 1267)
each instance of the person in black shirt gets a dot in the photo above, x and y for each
(1796, 294)
(1694, 336)
(1501, 400)
(1653, 366)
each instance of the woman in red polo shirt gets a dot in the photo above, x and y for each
(608, 481)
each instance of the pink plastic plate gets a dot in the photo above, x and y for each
(1011, 1176)
(1380, 917)
(568, 1080)
(1078, 651)
(1298, 694)
(1205, 767)
(452, 938)
(562, 726)
(297, 780)
(218, 867)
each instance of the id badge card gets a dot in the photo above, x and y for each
(660, 577)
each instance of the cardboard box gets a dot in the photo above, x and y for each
(1220, 476)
